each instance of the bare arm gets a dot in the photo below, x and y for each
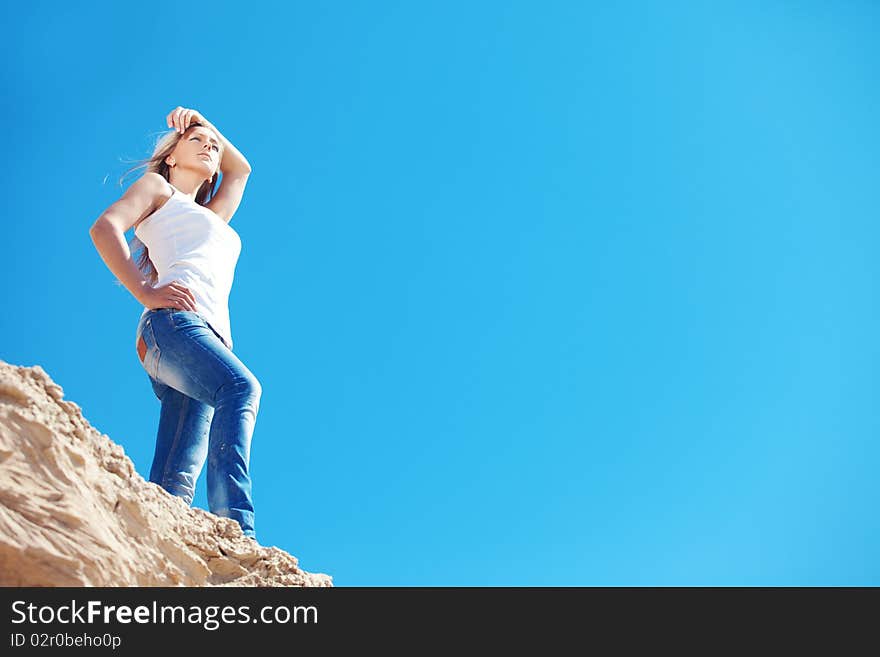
(116, 255)
(233, 161)
(108, 235)
(236, 171)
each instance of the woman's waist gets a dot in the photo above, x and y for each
(217, 319)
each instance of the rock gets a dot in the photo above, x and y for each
(75, 512)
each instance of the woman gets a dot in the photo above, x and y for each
(184, 342)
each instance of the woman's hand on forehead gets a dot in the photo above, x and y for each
(180, 118)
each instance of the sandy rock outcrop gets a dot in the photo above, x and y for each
(74, 512)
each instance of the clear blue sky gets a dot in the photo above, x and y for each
(539, 293)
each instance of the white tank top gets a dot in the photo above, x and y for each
(190, 244)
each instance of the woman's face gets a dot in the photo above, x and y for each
(199, 149)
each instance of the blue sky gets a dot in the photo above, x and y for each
(539, 293)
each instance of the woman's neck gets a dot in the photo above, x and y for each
(186, 184)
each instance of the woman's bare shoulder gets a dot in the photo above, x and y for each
(155, 188)
(155, 184)
(138, 202)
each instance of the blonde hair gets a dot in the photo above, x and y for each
(156, 163)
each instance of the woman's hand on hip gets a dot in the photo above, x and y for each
(173, 295)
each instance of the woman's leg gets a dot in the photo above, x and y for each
(181, 442)
(185, 354)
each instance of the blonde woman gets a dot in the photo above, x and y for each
(209, 399)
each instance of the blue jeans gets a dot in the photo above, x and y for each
(210, 402)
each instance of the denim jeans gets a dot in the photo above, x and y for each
(209, 408)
